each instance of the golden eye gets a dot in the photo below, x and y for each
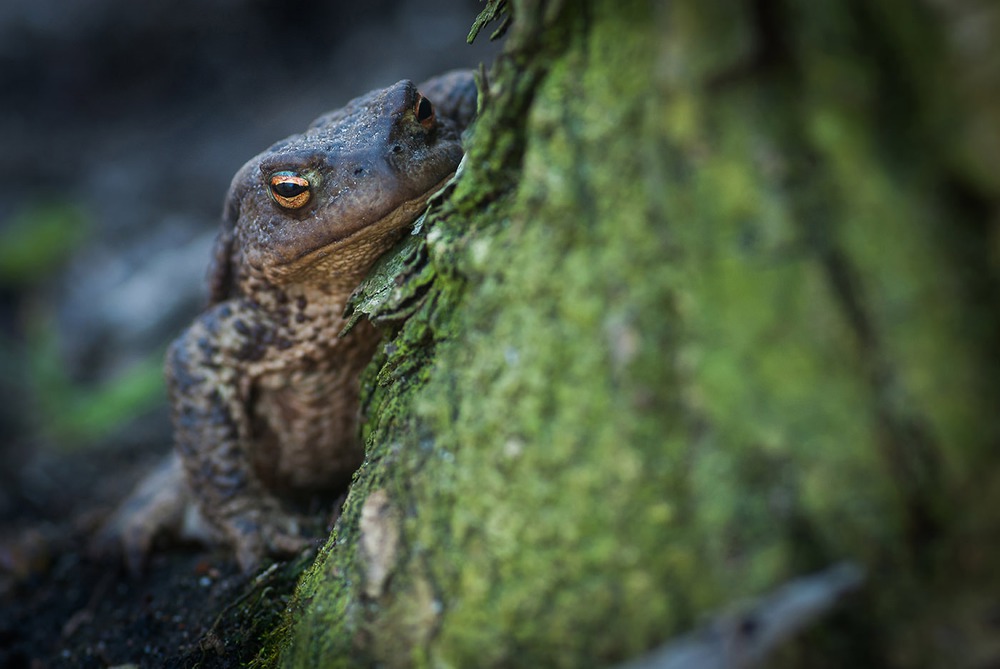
(289, 189)
(424, 111)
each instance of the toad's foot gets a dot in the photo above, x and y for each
(265, 531)
(159, 506)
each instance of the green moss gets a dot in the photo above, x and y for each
(33, 243)
(75, 414)
(36, 239)
(909, 272)
(675, 348)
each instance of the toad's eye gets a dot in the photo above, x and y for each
(289, 190)
(424, 111)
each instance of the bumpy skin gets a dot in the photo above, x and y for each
(264, 392)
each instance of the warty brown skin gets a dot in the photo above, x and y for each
(264, 391)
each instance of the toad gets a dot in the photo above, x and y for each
(264, 391)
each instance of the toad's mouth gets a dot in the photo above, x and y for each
(368, 241)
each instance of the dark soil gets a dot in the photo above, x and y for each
(187, 610)
(62, 605)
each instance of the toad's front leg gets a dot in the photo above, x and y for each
(211, 393)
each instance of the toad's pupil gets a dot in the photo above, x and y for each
(424, 109)
(289, 188)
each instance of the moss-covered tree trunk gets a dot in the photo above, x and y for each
(713, 304)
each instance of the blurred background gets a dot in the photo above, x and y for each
(122, 124)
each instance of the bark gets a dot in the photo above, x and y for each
(713, 304)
